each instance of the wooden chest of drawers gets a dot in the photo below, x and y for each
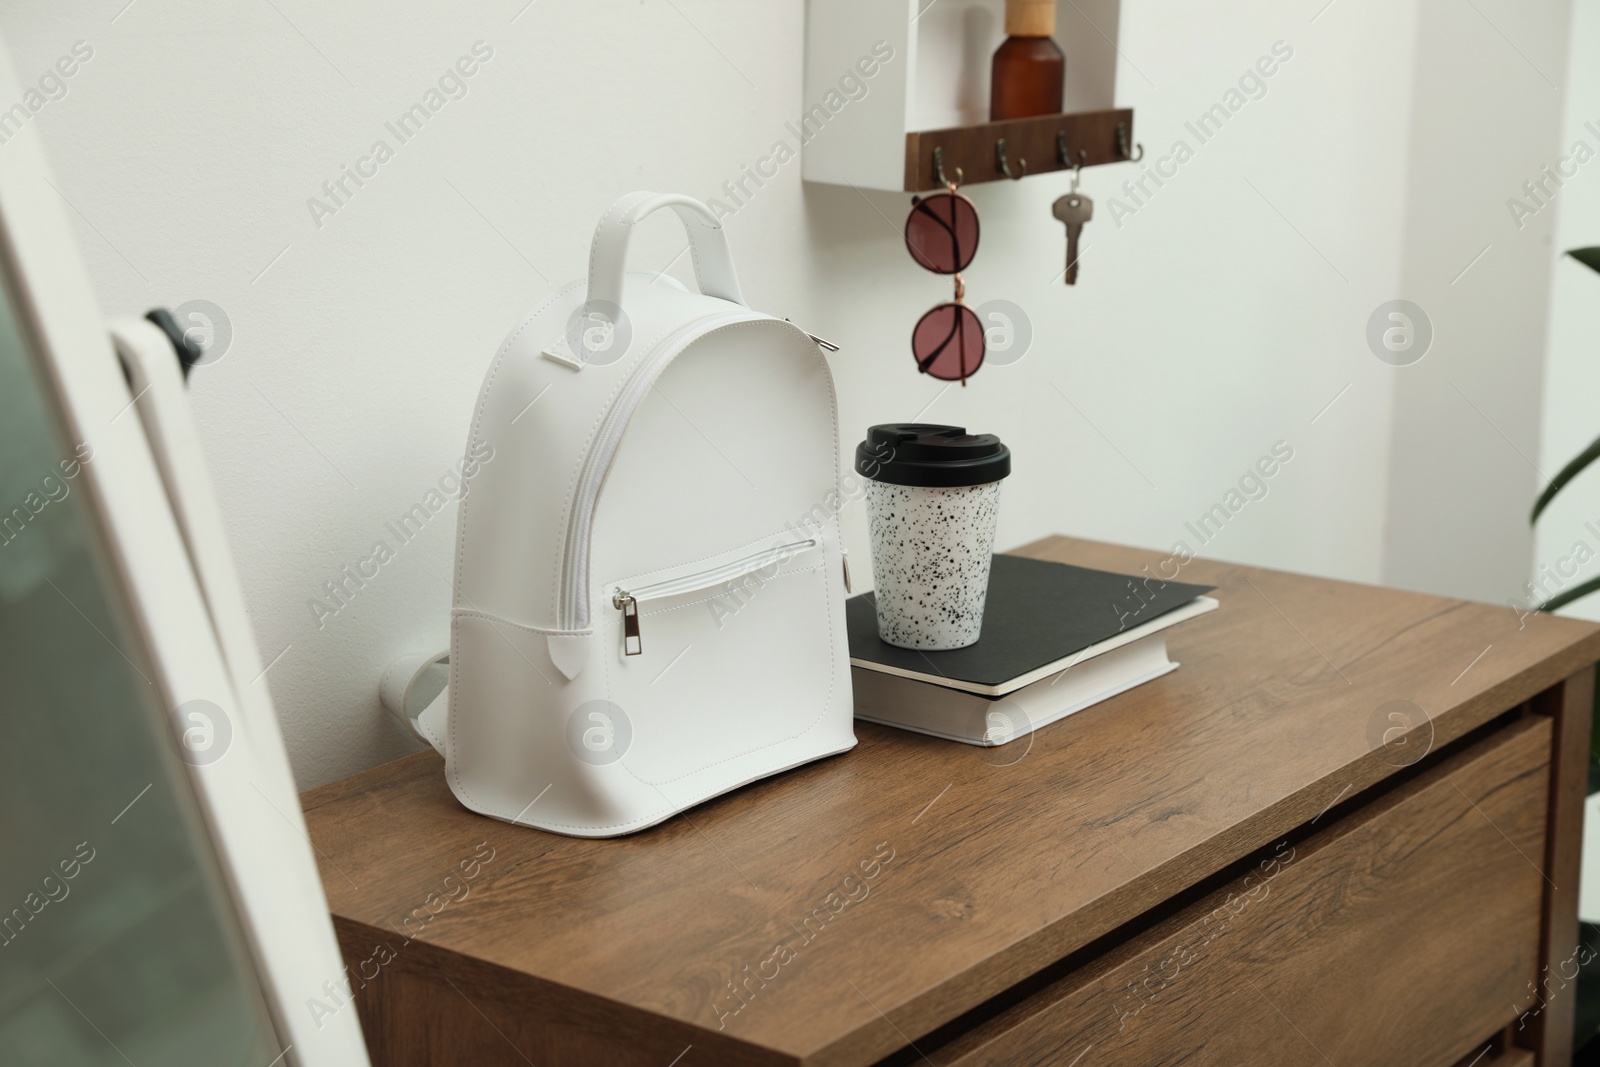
(1346, 831)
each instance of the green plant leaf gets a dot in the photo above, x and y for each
(1561, 600)
(1567, 473)
(1589, 257)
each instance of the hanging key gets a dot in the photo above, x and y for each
(1073, 210)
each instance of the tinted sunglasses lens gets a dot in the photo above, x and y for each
(948, 342)
(942, 232)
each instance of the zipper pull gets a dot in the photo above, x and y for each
(844, 558)
(825, 345)
(625, 603)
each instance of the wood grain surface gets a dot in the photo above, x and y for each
(1405, 934)
(1550, 1022)
(972, 148)
(748, 930)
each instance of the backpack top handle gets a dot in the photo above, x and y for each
(713, 262)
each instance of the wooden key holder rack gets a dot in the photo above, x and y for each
(1016, 148)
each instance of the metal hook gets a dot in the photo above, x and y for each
(938, 169)
(1004, 167)
(1122, 144)
(1066, 158)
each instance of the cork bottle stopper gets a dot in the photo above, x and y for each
(1030, 18)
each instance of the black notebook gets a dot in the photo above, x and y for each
(1040, 617)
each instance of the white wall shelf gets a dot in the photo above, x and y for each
(890, 82)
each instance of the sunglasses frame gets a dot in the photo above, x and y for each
(919, 204)
(957, 333)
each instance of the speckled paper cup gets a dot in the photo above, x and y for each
(932, 502)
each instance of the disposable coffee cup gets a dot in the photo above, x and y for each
(933, 496)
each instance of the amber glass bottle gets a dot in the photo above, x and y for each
(1029, 68)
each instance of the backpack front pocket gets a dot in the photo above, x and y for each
(723, 661)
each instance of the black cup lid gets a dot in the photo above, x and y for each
(926, 454)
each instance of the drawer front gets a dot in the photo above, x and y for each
(1407, 933)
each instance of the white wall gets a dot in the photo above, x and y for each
(1220, 317)
(1572, 373)
(1485, 116)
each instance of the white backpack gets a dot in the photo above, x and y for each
(650, 578)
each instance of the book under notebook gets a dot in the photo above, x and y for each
(956, 715)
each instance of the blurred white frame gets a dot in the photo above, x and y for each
(159, 533)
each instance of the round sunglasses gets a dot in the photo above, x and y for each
(942, 236)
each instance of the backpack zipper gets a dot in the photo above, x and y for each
(572, 601)
(627, 600)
